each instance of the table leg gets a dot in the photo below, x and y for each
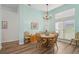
(71, 41)
(76, 42)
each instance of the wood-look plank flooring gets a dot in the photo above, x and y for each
(15, 48)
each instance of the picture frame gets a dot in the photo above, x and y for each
(4, 24)
(34, 25)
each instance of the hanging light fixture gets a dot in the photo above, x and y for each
(46, 17)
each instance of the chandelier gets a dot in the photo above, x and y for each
(46, 17)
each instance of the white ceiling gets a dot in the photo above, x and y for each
(43, 7)
(12, 7)
(66, 13)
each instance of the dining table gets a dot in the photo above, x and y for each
(50, 36)
(47, 38)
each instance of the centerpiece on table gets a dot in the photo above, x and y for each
(46, 33)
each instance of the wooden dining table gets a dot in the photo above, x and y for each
(50, 36)
(47, 38)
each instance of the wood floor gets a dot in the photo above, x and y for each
(15, 48)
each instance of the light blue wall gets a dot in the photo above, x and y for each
(77, 18)
(52, 24)
(27, 15)
(69, 6)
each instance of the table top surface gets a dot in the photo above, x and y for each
(47, 36)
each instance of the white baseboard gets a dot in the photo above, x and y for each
(64, 40)
(67, 41)
(9, 40)
(21, 43)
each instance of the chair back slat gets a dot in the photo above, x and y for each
(77, 35)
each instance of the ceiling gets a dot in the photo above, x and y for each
(41, 7)
(12, 7)
(65, 13)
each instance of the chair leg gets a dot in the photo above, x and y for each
(53, 50)
(38, 45)
(76, 43)
(57, 46)
(71, 41)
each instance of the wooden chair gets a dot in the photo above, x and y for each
(40, 42)
(27, 36)
(76, 39)
(56, 37)
(53, 41)
(38, 38)
(33, 39)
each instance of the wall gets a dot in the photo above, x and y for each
(0, 28)
(69, 6)
(27, 15)
(77, 18)
(66, 7)
(11, 33)
(51, 23)
(67, 16)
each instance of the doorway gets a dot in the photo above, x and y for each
(65, 24)
(59, 29)
(66, 29)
